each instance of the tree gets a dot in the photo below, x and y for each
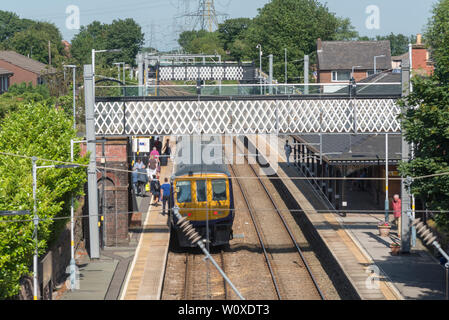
(33, 42)
(10, 23)
(231, 33)
(345, 30)
(185, 39)
(120, 34)
(398, 42)
(426, 126)
(33, 130)
(126, 35)
(83, 42)
(295, 25)
(201, 42)
(232, 29)
(437, 37)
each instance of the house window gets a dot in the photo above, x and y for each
(3, 84)
(341, 75)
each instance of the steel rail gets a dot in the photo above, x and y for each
(224, 270)
(259, 236)
(187, 291)
(292, 237)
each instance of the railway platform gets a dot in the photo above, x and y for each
(132, 272)
(146, 273)
(355, 244)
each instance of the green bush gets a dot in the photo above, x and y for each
(33, 130)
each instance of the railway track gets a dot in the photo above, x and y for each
(201, 280)
(292, 278)
(264, 261)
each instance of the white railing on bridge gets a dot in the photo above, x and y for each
(294, 115)
(341, 89)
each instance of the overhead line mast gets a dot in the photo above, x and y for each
(207, 16)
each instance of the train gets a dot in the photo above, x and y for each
(204, 195)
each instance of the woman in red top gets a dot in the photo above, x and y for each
(397, 212)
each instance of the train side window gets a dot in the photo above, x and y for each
(184, 192)
(201, 195)
(219, 190)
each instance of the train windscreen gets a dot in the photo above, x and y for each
(201, 195)
(219, 190)
(184, 193)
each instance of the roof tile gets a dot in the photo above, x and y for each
(25, 62)
(343, 55)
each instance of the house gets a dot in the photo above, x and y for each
(421, 60)
(338, 59)
(23, 68)
(5, 75)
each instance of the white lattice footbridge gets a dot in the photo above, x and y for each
(299, 116)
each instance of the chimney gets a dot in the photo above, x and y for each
(418, 38)
(319, 44)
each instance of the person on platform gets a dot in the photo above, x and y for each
(165, 194)
(158, 145)
(152, 167)
(155, 189)
(396, 204)
(136, 177)
(166, 153)
(154, 153)
(288, 151)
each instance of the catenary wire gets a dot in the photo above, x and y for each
(267, 177)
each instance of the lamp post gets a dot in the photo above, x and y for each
(73, 67)
(93, 61)
(259, 46)
(118, 64)
(36, 219)
(387, 204)
(352, 71)
(375, 62)
(72, 227)
(352, 83)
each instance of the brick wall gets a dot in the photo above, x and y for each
(420, 60)
(116, 190)
(326, 76)
(20, 75)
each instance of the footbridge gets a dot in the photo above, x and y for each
(248, 109)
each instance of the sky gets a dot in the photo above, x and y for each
(160, 24)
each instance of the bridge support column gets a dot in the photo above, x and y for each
(94, 235)
(140, 73)
(405, 195)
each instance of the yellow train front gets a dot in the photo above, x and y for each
(205, 197)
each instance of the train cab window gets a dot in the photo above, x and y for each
(184, 193)
(219, 190)
(201, 195)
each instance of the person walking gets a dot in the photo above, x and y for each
(154, 153)
(396, 203)
(288, 151)
(165, 195)
(137, 177)
(155, 189)
(152, 167)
